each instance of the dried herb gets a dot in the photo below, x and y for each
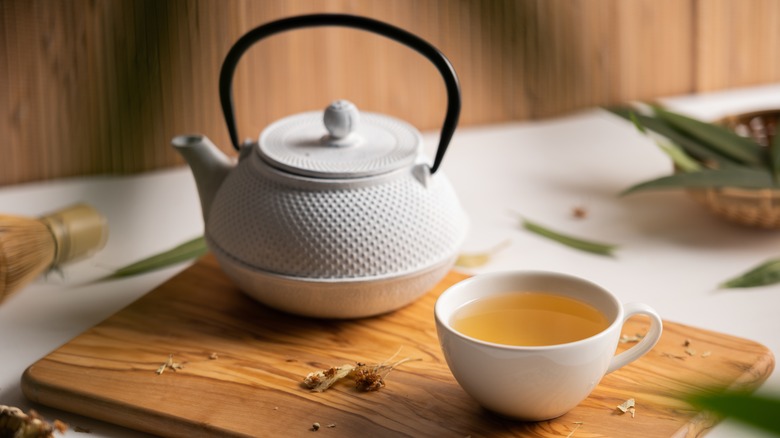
(570, 241)
(579, 212)
(323, 379)
(174, 366)
(627, 406)
(762, 275)
(15, 423)
(626, 339)
(366, 377)
(673, 356)
(477, 259)
(577, 426)
(372, 377)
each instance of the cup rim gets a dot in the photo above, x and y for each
(445, 323)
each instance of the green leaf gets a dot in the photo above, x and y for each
(639, 126)
(186, 251)
(733, 177)
(727, 143)
(774, 152)
(755, 410)
(680, 159)
(573, 242)
(693, 147)
(763, 274)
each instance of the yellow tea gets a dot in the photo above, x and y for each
(528, 319)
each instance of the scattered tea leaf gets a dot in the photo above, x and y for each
(579, 212)
(626, 339)
(367, 377)
(315, 427)
(673, 356)
(477, 259)
(186, 251)
(372, 378)
(762, 275)
(627, 406)
(174, 366)
(321, 380)
(690, 352)
(573, 242)
(706, 354)
(577, 426)
(686, 343)
(756, 410)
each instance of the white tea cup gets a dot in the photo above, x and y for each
(535, 383)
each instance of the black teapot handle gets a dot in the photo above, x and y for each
(423, 47)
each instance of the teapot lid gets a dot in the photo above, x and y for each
(342, 143)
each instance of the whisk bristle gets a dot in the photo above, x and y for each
(27, 248)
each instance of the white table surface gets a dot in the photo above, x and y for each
(672, 252)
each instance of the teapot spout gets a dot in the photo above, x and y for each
(208, 164)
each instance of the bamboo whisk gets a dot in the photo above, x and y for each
(30, 246)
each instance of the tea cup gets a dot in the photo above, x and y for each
(537, 382)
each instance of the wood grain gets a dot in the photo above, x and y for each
(99, 86)
(253, 388)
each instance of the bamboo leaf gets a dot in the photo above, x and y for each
(727, 143)
(571, 241)
(756, 410)
(681, 160)
(186, 251)
(763, 274)
(733, 177)
(693, 147)
(637, 123)
(774, 152)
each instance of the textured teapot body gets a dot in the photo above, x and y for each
(388, 238)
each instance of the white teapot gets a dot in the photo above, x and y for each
(332, 215)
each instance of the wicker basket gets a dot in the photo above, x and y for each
(752, 207)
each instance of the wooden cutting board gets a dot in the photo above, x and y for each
(243, 365)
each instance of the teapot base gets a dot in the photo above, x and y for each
(333, 298)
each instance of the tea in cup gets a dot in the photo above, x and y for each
(533, 345)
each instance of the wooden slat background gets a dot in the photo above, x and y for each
(101, 86)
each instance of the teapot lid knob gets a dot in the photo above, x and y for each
(341, 118)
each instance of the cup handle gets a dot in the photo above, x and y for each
(646, 344)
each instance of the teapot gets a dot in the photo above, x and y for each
(334, 214)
